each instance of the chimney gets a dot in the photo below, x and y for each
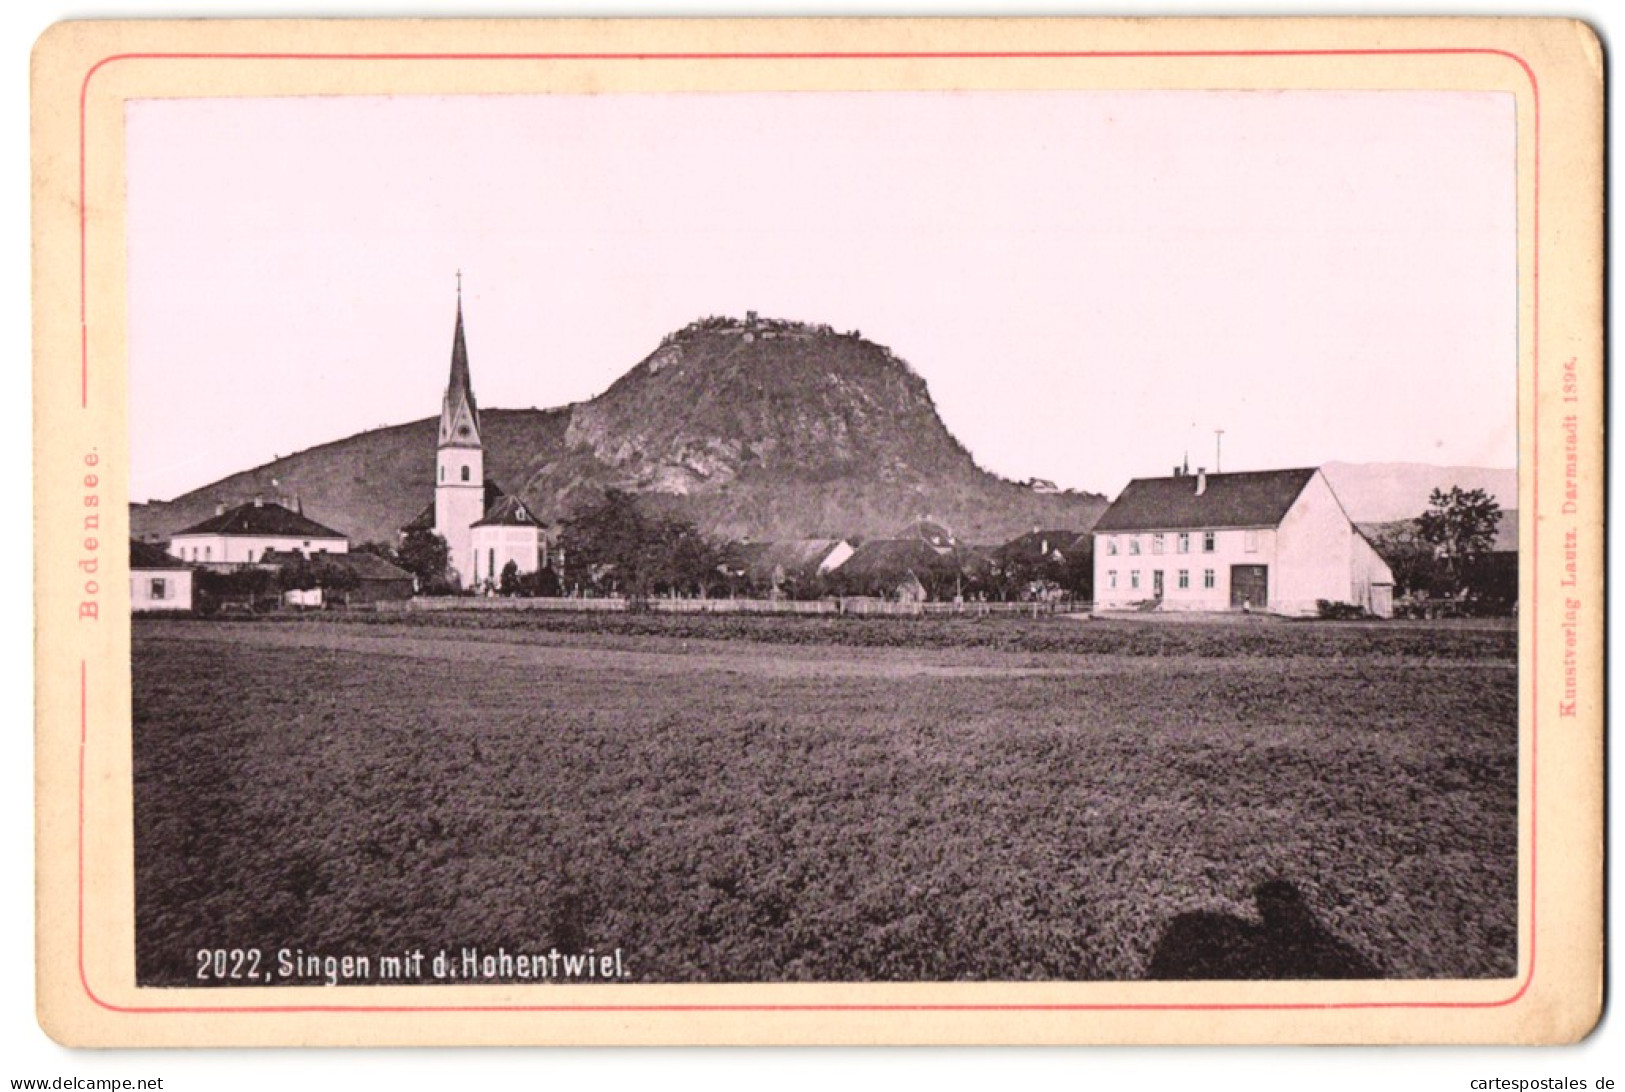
(1176, 470)
(219, 507)
(1201, 480)
(259, 500)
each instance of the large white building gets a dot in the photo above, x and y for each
(241, 535)
(1276, 541)
(484, 529)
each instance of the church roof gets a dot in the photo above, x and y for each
(508, 512)
(1251, 499)
(262, 519)
(459, 413)
(424, 520)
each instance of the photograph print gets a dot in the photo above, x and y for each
(1020, 536)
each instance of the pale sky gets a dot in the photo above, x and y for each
(1089, 283)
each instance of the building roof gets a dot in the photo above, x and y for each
(259, 520)
(1251, 499)
(146, 556)
(508, 512)
(933, 533)
(760, 559)
(1032, 544)
(424, 520)
(882, 557)
(459, 413)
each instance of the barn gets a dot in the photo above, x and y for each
(1276, 541)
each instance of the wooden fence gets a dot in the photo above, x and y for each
(852, 605)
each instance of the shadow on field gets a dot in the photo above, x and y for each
(1289, 944)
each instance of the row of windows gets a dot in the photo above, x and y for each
(1182, 543)
(443, 473)
(206, 553)
(1209, 579)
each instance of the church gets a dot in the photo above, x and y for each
(484, 528)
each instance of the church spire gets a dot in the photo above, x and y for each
(459, 413)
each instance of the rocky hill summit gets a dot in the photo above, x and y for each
(751, 427)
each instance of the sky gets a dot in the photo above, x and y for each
(1091, 284)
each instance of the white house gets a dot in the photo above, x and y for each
(1276, 541)
(241, 535)
(158, 582)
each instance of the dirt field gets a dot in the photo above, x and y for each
(1036, 801)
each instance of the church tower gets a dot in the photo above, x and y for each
(459, 494)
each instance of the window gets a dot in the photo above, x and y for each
(1111, 545)
(1111, 578)
(1184, 578)
(159, 591)
(442, 473)
(1207, 578)
(208, 553)
(251, 553)
(1184, 542)
(1156, 544)
(1252, 542)
(1134, 545)
(1209, 540)
(465, 473)
(1134, 579)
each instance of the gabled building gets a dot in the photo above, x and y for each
(483, 527)
(780, 568)
(241, 535)
(1276, 541)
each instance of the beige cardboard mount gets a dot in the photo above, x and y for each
(85, 73)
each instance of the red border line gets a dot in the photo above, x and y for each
(84, 717)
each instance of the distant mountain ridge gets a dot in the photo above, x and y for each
(1383, 492)
(760, 428)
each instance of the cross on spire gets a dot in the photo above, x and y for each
(459, 286)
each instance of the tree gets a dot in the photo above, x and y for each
(619, 547)
(509, 582)
(1409, 557)
(424, 554)
(1460, 526)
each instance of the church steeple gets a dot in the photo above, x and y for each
(459, 495)
(459, 413)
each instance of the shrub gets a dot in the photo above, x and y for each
(1331, 610)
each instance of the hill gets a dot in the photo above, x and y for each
(764, 428)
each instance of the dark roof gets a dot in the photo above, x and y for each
(887, 557)
(146, 556)
(460, 384)
(269, 518)
(366, 566)
(802, 556)
(508, 512)
(424, 520)
(932, 533)
(1030, 545)
(1255, 499)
